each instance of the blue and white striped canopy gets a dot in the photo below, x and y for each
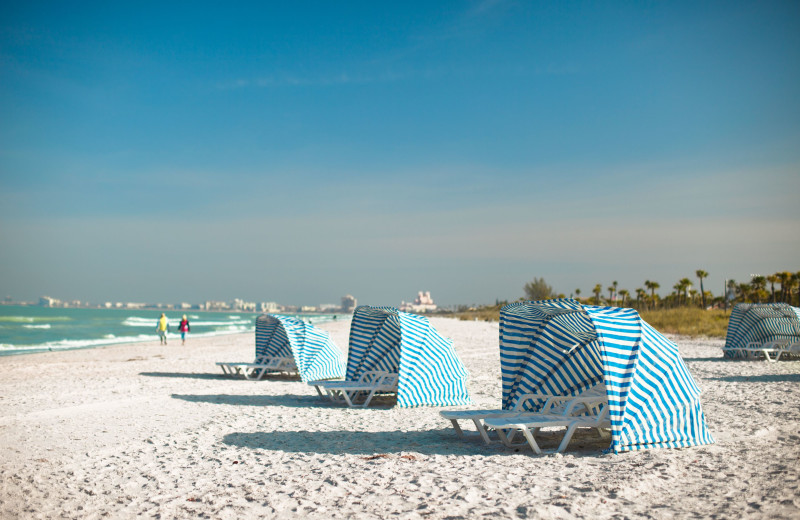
(314, 353)
(761, 322)
(430, 372)
(563, 347)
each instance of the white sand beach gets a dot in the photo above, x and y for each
(143, 430)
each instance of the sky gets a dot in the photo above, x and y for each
(300, 151)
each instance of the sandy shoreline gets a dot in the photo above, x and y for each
(146, 430)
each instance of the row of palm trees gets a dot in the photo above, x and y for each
(685, 295)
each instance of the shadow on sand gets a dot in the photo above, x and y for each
(430, 442)
(713, 359)
(764, 378)
(187, 375)
(290, 400)
(194, 375)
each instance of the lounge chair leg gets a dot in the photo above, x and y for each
(507, 438)
(567, 438)
(529, 437)
(348, 397)
(503, 438)
(482, 430)
(457, 428)
(369, 398)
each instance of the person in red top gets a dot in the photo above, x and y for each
(184, 328)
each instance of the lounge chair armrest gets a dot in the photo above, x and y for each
(531, 397)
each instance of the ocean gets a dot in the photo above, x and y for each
(30, 329)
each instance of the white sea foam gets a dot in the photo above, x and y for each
(45, 326)
(33, 319)
(133, 321)
(110, 339)
(81, 343)
(150, 322)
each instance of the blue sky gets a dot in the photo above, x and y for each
(296, 152)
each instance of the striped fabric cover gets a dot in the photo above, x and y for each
(430, 372)
(761, 322)
(563, 347)
(314, 353)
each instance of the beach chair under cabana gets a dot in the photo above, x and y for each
(393, 351)
(288, 344)
(761, 329)
(563, 348)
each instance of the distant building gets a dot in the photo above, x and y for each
(269, 307)
(241, 305)
(46, 301)
(422, 303)
(349, 303)
(308, 308)
(217, 306)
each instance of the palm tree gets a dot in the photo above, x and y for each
(686, 284)
(678, 290)
(597, 290)
(786, 286)
(743, 291)
(773, 279)
(614, 285)
(641, 294)
(652, 286)
(795, 279)
(759, 284)
(610, 293)
(624, 293)
(577, 294)
(702, 274)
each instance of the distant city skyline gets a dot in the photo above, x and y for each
(298, 152)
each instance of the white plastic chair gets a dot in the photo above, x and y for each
(776, 348)
(259, 368)
(368, 385)
(553, 404)
(530, 424)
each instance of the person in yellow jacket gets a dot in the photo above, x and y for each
(162, 327)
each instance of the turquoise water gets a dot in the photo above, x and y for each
(29, 329)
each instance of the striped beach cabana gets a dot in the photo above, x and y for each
(761, 323)
(429, 370)
(563, 347)
(314, 353)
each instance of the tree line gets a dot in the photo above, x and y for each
(783, 286)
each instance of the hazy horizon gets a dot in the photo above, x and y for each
(297, 153)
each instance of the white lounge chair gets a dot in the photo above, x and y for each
(553, 404)
(370, 383)
(260, 367)
(530, 424)
(756, 349)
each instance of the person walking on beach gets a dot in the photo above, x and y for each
(162, 327)
(184, 328)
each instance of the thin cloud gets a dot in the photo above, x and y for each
(288, 80)
(485, 6)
